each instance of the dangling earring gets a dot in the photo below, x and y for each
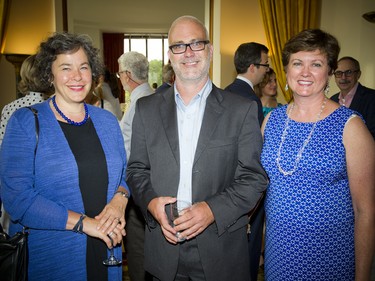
(286, 87)
(326, 89)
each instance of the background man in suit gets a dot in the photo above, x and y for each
(251, 62)
(197, 143)
(352, 94)
(133, 73)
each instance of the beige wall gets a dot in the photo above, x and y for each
(101, 16)
(235, 22)
(240, 22)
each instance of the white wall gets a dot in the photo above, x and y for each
(128, 16)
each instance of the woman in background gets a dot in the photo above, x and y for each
(320, 158)
(267, 92)
(103, 97)
(29, 87)
(73, 194)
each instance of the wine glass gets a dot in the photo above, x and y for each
(175, 209)
(112, 260)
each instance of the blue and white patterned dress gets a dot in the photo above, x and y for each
(309, 214)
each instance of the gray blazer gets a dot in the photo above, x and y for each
(227, 174)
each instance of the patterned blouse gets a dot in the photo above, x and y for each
(30, 99)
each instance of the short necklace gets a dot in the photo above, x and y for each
(71, 122)
(305, 142)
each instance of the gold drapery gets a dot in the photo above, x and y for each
(4, 14)
(282, 19)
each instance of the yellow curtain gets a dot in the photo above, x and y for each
(282, 19)
(4, 14)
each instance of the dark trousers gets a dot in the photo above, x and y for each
(134, 243)
(255, 240)
(189, 263)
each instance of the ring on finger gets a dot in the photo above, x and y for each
(110, 234)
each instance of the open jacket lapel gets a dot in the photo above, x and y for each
(211, 119)
(168, 115)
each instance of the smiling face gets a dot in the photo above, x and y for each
(270, 89)
(190, 66)
(72, 76)
(346, 82)
(307, 73)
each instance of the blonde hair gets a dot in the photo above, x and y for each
(29, 79)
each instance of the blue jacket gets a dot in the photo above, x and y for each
(42, 202)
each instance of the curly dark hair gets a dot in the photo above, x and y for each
(311, 40)
(66, 43)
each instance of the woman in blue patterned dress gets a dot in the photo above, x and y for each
(320, 158)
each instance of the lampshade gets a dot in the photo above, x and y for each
(29, 23)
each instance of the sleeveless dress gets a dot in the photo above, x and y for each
(309, 214)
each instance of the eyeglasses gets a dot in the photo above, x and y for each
(118, 73)
(127, 74)
(194, 46)
(348, 73)
(262, 64)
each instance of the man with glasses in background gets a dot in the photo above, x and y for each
(133, 73)
(251, 62)
(195, 142)
(352, 94)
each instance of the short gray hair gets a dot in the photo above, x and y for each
(136, 63)
(188, 18)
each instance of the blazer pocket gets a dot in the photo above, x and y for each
(222, 142)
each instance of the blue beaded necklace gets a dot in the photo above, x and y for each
(71, 122)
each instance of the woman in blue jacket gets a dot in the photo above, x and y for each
(72, 196)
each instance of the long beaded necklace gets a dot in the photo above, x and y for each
(71, 122)
(305, 142)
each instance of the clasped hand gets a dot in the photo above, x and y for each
(110, 222)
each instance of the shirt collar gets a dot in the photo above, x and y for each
(245, 80)
(203, 93)
(139, 90)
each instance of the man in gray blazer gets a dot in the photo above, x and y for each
(197, 143)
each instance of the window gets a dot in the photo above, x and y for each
(154, 47)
